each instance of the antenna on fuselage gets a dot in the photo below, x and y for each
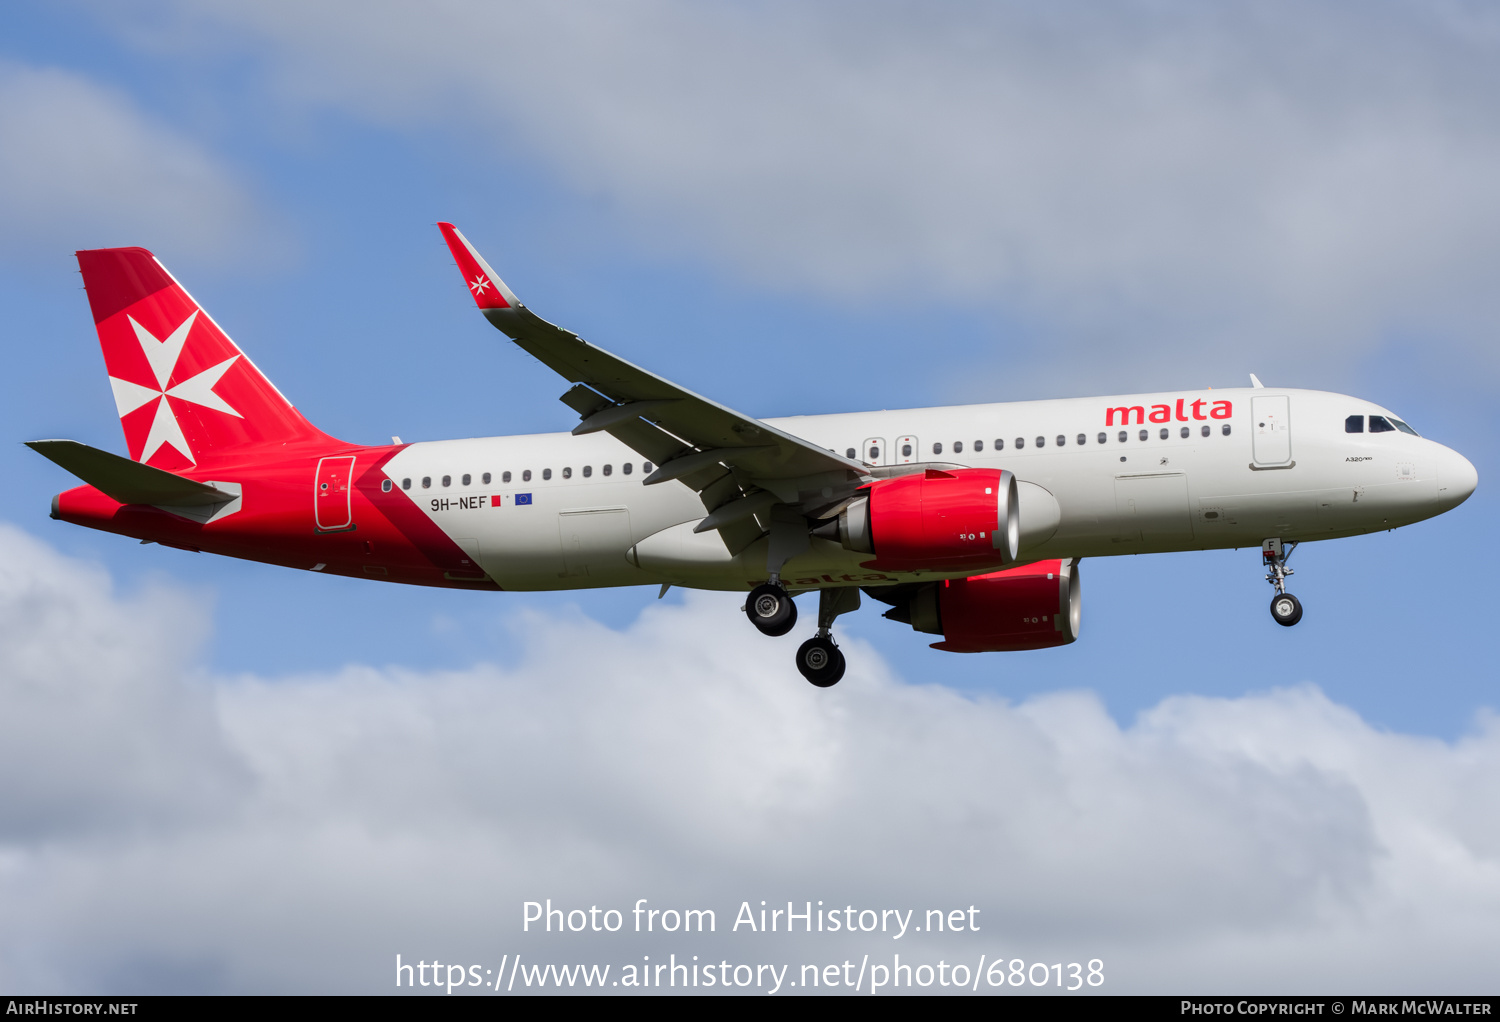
(1255, 382)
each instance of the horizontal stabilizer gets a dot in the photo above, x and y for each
(126, 481)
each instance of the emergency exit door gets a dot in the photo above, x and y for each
(874, 451)
(905, 451)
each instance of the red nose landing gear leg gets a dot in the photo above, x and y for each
(819, 659)
(1285, 608)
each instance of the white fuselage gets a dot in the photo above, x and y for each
(1273, 463)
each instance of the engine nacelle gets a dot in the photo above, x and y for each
(1031, 607)
(936, 520)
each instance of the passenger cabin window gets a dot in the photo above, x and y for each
(588, 470)
(447, 481)
(937, 448)
(1145, 434)
(526, 476)
(505, 477)
(1165, 432)
(1124, 436)
(874, 454)
(1225, 429)
(427, 482)
(386, 486)
(1354, 424)
(906, 450)
(1041, 441)
(1083, 438)
(1185, 432)
(567, 473)
(1378, 424)
(1206, 431)
(1062, 441)
(850, 453)
(1103, 437)
(999, 445)
(546, 473)
(978, 446)
(645, 466)
(608, 469)
(1020, 442)
(958, 447)
(467, 479)
(485, 479)
(406, 484)
(625, 468)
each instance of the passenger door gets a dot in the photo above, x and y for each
(1271, 426)
(332, 507)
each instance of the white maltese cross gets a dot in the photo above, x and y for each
(163, 356)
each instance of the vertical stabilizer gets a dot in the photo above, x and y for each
(184, 391)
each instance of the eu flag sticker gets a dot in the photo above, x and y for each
(523, 498)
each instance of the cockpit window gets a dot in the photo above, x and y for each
(1354, 424)
(1379, 424)
(1403, 427)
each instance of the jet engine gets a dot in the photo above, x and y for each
(934, 520)
(1031, 607)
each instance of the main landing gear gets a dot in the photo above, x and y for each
(820, 661)
(770, 609)
(1286, 609)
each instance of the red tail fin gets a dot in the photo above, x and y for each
(184, 391)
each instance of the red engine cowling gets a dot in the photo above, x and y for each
(935, 520)
(1031, 607)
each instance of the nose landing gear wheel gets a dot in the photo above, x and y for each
(820, 661)
(1286, 609)
(770, 608)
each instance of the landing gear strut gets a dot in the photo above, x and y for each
(770, 607)
(1286, 609)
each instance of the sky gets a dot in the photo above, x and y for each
(226, 777)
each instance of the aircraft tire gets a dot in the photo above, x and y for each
(820, 661)
(1286, 609)
(771, 609)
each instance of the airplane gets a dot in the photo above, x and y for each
(968, 521)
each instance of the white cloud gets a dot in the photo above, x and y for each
(1162, 184)
(81, 166)
(296, 833)
(104, 722)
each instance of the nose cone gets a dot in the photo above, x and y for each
(1457, 479)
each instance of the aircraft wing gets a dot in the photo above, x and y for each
(731, 459)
